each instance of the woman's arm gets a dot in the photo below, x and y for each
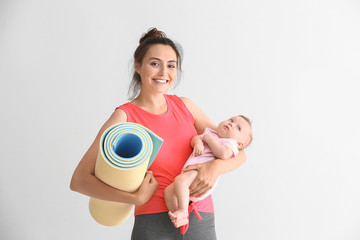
(209, 172)
(84, 180)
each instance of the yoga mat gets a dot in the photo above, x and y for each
(126, 152)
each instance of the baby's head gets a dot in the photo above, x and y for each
(238, 128)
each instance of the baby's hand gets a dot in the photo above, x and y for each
(198, 149)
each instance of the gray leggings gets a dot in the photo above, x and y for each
(158, 226)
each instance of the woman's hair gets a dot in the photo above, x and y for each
(152, 37)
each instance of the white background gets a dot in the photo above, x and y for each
(291, 66)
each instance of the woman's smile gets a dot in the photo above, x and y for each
(161, 81)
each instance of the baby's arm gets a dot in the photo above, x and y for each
(219, 150)
(198, 145)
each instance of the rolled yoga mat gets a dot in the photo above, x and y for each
(126, 152)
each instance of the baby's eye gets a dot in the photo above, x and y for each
(231, 120)
(239, 128)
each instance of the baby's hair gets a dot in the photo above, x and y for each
(251, 137)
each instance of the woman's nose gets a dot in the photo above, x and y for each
(162, 71)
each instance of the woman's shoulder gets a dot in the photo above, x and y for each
(184, 99)
(123, 106)
(119, 115)
(180, 100)
(190, 105)
(187, 101)
(176, 97)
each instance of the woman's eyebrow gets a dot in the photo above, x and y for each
(158, 59)
(155, 58)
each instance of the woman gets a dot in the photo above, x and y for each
(157, 62)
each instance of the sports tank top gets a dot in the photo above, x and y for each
(176, 128)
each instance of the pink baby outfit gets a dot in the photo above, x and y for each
(208, 156)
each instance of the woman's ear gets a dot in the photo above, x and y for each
(137, 66)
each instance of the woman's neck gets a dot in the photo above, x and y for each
(155, 104)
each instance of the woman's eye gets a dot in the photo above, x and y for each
(154, 64)
(172, 66)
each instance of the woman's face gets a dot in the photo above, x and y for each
(158, 69)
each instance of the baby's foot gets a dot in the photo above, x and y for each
(181, 222)
(179, 217)
(172, 216)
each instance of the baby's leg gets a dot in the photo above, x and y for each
(170, 198)
(181, 186)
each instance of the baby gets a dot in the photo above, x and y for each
(231, 136)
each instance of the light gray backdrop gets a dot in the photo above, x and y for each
(291, 66)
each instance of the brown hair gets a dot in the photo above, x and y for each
(251, 137)
(152, 37)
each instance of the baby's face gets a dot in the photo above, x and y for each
(236, 128)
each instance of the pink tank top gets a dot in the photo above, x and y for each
(176, 127)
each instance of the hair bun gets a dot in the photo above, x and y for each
(152, 32)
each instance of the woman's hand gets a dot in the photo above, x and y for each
(147, 188)
(206, 178)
